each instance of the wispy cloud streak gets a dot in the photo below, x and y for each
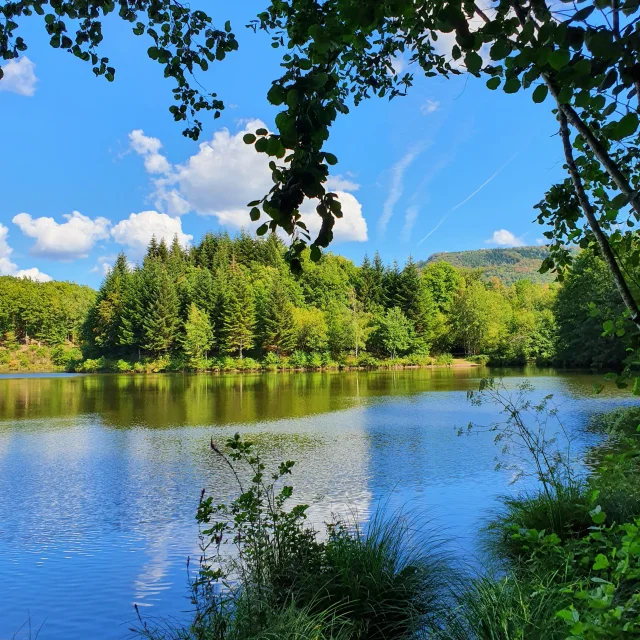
(397, 184)
(471, 195)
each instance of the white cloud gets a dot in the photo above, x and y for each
(63, 241)
(149, 148)
(137, 230)
(504, 238)
(352, 227)
(225, 174)
(340, 183)
(541, 242)
(397, 185)
(19, 77)
(429, 106)
(9, 268)
(397, 64)
(410, 217)
(104, 265)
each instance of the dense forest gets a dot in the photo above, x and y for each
(508, 265)
(233, 303)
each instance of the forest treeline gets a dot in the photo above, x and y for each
(230, 303)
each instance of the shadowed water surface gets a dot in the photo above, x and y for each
(100, 475)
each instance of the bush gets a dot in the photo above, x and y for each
(444, 359)
(270, 361)
(63, 356)
(564, 511)
(417, 359)
(378, 585)
(481, 359)
(315, 360)
(299, 360)
(249, 364)
(123, 366)
(368, 361)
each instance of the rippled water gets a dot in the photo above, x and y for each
(100, 475)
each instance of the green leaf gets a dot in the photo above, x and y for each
(473, 62)
(262, 229)
(316, 254)
(559, 59)
(153, 52)
(601, 562)
(493, 83)
(248, 138)
(330, 159)
(261, 132)
(540, 93)
(512, 85)
(254, 214)
(625, 127)
(607, 327)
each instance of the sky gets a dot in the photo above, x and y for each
(91, 168)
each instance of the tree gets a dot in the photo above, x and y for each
(198, 335)
(588, 298)
(394, 332)
(278, 323)
(161, 321)
(311, 329)
(239, 314)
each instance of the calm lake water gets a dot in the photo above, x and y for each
(100, 475)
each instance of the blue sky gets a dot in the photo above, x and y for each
(91, 168)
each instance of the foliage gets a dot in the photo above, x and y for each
(48, 312)
(182, 40)
(283, 582)
(198, 335)
(508, 265)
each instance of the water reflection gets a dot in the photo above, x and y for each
(100, 475)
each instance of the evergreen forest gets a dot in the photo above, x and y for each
(233, 303)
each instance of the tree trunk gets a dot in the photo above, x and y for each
(601, 238)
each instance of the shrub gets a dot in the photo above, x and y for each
(444, 359)
(480, 359)
(227, 364)
(299, 360)
(315, 360)
(63, 356)
(249, 364)
(270, 361)
(368, 361)
(123, 366)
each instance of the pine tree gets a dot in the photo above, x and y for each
(239, 316)
(161, 321)
(163, 251)
(198, 335)
(278, 323)
(391, 284)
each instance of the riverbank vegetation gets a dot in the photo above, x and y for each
(565, 557)
(232, 304)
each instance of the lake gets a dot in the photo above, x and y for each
(100, 475)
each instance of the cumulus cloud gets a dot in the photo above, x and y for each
(429, 106)
(225, 174)
(104, 265)
(63, 241)
(149, 149)
(137, 230)
(19, 77)
(352, 227)
(504, 238)
(9, 268)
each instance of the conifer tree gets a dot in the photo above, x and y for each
(278, 323)
(239, 316)
(161, 320)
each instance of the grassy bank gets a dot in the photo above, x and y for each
(296, 362)
(565, 560)
(38, 357)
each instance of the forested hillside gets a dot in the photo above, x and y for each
(233, 303)
(509, 265)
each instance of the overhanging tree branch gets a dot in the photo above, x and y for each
(601, 238)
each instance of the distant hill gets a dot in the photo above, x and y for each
(509, 265)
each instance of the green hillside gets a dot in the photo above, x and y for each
(509, 265)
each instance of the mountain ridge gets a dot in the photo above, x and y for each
(508, 264)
